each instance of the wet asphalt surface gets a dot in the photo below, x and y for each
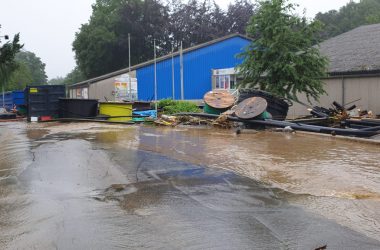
(108, 187)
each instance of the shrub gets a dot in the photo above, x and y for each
(165, 102)
(170, 107)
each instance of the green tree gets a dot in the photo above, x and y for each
(197, 22)
(101, 46)
(75, 76)
(35, 66)
(59, 80)
(8, 63)
(238, 15)
(348, 17)
(19, 78)
(95, 42)
(30, 71)
(282, 59)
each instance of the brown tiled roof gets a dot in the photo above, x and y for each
(357, 50)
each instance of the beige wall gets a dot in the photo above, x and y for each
(366, 88)
(99, 90)
(104, 89)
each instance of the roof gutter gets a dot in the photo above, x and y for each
(353, 74)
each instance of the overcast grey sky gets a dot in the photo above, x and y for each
(47, 27)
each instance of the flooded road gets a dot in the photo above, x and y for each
(91, 186)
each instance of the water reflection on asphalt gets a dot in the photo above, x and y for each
(90, 186)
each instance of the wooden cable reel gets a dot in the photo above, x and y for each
(251, 108)
(219, 99)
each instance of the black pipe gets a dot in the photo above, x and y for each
(314, 128)
(356, 126)
(310, 120)
(375, 129)
(338, 106)
(351, 108)
(295, 126)
(363, 122)
(319, 114)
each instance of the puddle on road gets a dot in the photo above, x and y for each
(296, 163)
(14, 150)
(325, 175)
(339, 180)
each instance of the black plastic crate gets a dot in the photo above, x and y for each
(78, 108)
(43, 100)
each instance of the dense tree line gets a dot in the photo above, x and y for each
(74, 76)
(101, 46)
(348, 17)
(30, 70)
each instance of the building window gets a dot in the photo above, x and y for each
(80, 93)
(233, 82)
(225, 82)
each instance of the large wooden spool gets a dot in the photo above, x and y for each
(251, 108)
(219, 99)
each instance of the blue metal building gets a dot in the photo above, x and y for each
(198, 63)
(205, 67)
(13, 98)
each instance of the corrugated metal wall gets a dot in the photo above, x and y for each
(198, 65)
(365, 88)
(103, 90)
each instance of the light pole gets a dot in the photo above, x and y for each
(181, 71)
(155, 76)
(173, 81)
(129, 67)
(6, 37)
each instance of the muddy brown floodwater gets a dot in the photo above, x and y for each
(91, 186)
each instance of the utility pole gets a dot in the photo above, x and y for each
(129, 70)
(181, 71)
(6, 37)
(173, 81)
(155, 76)
(3, 94)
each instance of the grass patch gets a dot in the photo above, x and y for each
(170, 106)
